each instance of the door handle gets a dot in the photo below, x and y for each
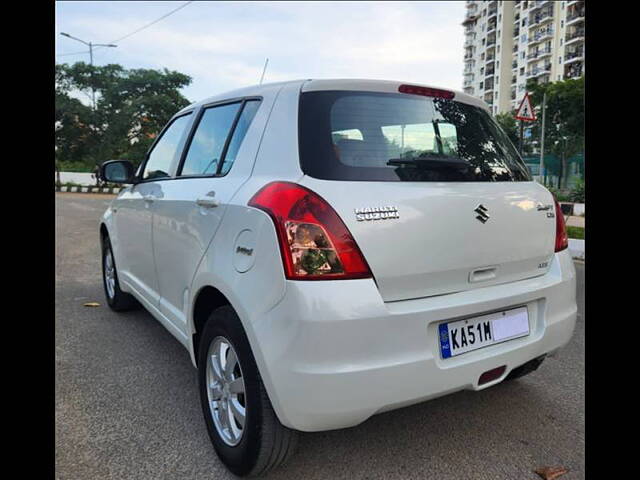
(207, 202)
(148, 198)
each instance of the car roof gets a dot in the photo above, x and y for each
(251, 91)
(308, 85)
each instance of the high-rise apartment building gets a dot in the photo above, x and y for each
(509, 42)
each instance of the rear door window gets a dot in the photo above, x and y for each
(217, 138)
(205, 151)
(347, 135)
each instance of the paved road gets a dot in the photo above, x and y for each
(127, 403)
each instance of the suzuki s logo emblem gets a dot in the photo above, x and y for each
(481, 210)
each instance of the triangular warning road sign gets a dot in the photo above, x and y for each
(525, 110)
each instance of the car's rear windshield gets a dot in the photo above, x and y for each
(368, 136)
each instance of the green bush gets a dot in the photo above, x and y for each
(577, 192)
(575, 232)
(560, 195)
(76, 167)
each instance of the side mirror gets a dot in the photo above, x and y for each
(117, 171)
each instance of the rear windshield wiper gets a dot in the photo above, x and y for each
(431, 161)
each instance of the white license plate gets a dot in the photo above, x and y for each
(463, 336)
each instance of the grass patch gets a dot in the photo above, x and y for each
(575, 232)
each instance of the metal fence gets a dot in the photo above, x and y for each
(553, 166)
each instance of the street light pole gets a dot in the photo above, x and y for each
(90, 45)
(93, 90)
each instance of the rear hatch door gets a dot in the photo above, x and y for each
(433, 191)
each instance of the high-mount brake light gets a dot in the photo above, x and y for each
(426, 91)
(562, 239)
(314, 242)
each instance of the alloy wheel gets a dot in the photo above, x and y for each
(226, 391)
(109, 274)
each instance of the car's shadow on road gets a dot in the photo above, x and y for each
(436, 439)
(510, 424)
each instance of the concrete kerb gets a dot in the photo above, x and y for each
(88, 189)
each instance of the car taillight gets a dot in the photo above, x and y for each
(426, 91)
(562, 239)
(314, 242)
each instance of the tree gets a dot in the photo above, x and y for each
(132, 106)
(72, 118)
(564, 124)
(508, 123)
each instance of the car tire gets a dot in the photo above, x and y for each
(117, 300)
(256, 443)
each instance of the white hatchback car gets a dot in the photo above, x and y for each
(331, 249)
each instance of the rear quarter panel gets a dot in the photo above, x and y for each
(254, 291)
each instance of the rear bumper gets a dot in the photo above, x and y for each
(332, 354)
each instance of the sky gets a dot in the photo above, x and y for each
(223, 45)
